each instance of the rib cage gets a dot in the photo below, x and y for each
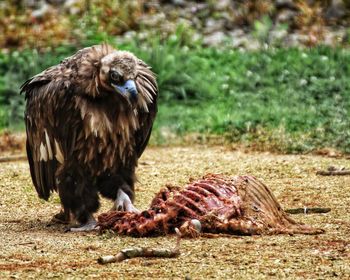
(235, 205)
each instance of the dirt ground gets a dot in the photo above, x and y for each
(32, 249)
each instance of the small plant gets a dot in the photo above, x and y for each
(262, 29)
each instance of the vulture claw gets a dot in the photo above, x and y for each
(61, 218)
(123, 203)
(90, 225)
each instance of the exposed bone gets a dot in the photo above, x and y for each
(143, 253)
(307, 210)
(214, 204)
(333, 172)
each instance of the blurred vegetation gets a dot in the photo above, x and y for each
(23, 26)
(288, 100)
(43, 26)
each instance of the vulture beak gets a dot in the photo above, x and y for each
(128, 89)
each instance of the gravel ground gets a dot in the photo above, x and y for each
(32, 249)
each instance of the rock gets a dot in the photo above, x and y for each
(238, 38)
(335, 37)
(277, 35)
(222, 5)
(169, 27)
(252, 44)
(151, 5)
(241, 40)
(213, 25)
(153, 20)
(73, 7)
(199, 7)
(42, 11)
(130, 35)
(196, 23)
(237, 33)
(214, 39)
(33, 4)
(294, 39)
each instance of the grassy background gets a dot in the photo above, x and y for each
(289, 100)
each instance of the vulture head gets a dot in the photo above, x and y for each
(111, 71)
(117, 73)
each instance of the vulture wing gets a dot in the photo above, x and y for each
(149, 89)
(45, 94)
(48, 112)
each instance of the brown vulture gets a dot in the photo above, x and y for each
(88, 120)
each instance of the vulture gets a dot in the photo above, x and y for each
(88, 120)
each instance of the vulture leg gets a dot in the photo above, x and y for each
(120, 189)
(123, 203)
(79, 197)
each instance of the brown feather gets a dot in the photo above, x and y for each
(73, 111)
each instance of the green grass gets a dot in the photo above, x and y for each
(289, 100)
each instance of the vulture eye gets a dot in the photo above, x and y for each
(116, 77)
